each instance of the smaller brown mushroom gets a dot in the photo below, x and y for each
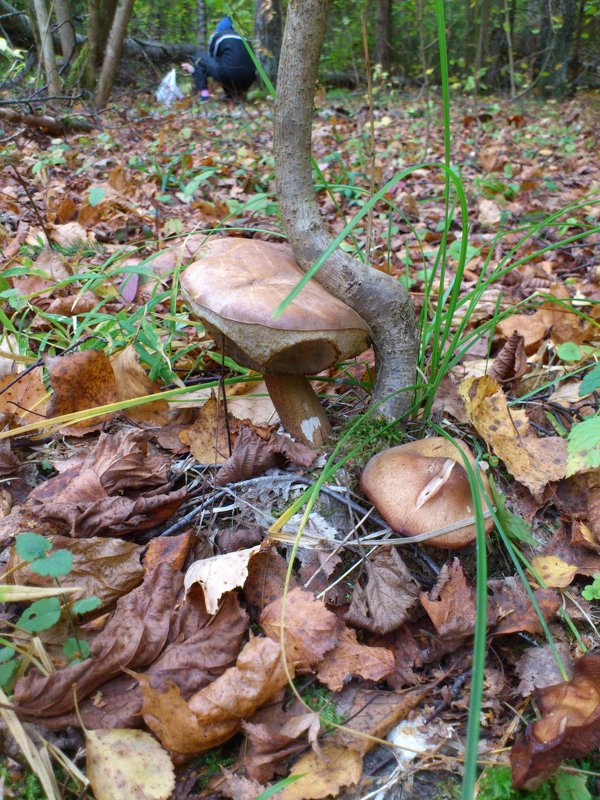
(421, 486)
(235, 286)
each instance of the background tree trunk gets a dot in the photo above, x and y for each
(47, 47)
(66, 29)
(93, 38)
(383, 32)
(268, 31)
(201, 25)
(380, 299)
(112, 55)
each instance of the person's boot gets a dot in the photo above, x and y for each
(204, 95)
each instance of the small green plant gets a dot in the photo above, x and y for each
(38, 555)
(495, 784)
(318, 698)
(592, 590)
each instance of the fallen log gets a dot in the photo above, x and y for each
(45, 123)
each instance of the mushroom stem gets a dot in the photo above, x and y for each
(299, 408)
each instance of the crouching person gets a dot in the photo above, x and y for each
(228, 62)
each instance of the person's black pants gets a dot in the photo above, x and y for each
(233, 79)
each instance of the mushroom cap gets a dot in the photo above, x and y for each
(234, 287)
(416, 489)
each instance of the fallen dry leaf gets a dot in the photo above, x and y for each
(81, 381)
(172, 550)
(537, 667)
(208, 436)
(24, 400)
(375, 712)
(569, 727)
(252, 455)
(532, 461)
(514, 610)
(350, 658)
(323, 775)
(179, 643)
(310, 629)
(104, 568)
(128, 763)
(451, 604)
(240, 788)
(132, 381)
(89, 499)
(215, 713)
(385, 602)
(219, 575)
(555, 572)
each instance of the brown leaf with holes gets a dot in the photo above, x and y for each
(310, 629)
(350, 658)
(569, 727)
(385, 602)
(451, 604)
(514, 610)
(81, 381)
(208, 436)
(531, 460)
(511, 362)
(214, 714)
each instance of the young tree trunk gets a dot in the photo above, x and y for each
(93, 39)
(201, 25)
(483, 37)
(381, 301)
(47, 46)
(112, 54)
(268, 30)
(383, 26)
(66, 29)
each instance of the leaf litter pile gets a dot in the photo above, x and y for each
(155, 610)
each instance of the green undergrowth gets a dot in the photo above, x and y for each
(495, 784)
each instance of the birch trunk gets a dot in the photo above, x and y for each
(47, 47)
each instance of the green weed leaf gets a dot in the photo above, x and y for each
(515, 527)
(7, 671)
(569, 351)
(58, 563)
(31, 546)
(583, 446)
(571, 787)
(40, 616)
(96, 195)
(592, 590)
(590, 382)
(76, 650)
(85, 605)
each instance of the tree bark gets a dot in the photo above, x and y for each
(201, 25)
(93, 39)
(383, 27)
(18, 26)
(381, 301)
(47, 46)
(66, 29)
(112, 56)
(268, 29)
(53, 125)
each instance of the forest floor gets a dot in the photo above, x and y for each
(103, 621)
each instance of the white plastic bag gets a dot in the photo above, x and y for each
(168, 91)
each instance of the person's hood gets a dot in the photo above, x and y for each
(224, 25)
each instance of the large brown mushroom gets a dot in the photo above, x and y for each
(421, 486)
(235, 286)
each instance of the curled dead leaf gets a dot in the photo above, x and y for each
(569, 727)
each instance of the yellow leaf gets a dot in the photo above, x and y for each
(532, 461)
(128, 763)
(325, 775)
(555, 572)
